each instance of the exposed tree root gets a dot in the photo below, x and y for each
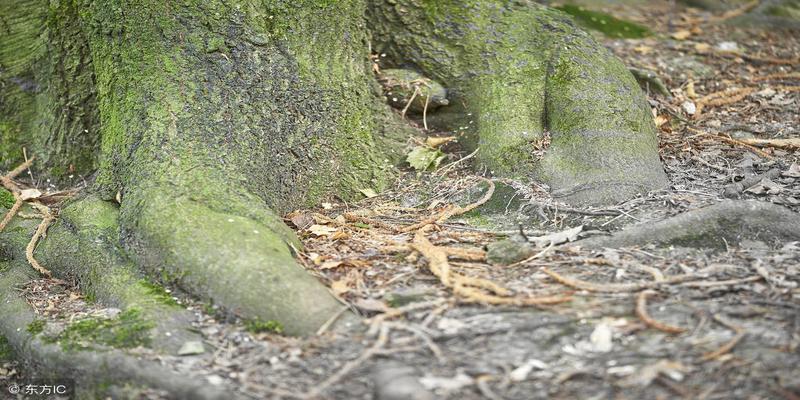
(7, 181)
(641, 312)
(453, 210)
(726, 223)
(41, 230)
(467, 288)
(90, 370)
(81, 248)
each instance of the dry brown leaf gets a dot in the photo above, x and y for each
(368, 193)
(702, 47)
(321, 230)
(341, 286)
(681, 35)
(339, 235)
(436, 141)
(330, 264)
(29, 194)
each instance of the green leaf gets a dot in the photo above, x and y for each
(423, 158)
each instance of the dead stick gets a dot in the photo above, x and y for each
(616, 287)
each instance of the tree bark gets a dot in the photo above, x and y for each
(207, 120)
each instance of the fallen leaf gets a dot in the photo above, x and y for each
(681, 35)
(446, 384)
(690, 90)
(660, 120)
(330, 264)
(765, 186)
(372, 305)
(28, 194)
(702, 47)
(643, 49)
(645, 376)
(321, 230)
(601, 338)
(521, 373)
(340, 287)
(564, 236)
(423, 158)
(793, 171)
(339, 235)
(368, 193)
(301, 220)
(436, 141)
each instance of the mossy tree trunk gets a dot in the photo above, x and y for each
(210, 118)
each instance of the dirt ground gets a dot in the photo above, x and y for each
(568, 322)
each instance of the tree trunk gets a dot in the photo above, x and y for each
(209, 119)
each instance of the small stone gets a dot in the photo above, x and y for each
(506, 252)
(689, 107)
(728, 46)
(192, 347)
(215, 380)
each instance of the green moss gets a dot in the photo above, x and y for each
(36, 327)
(129, 329)
(604, 23)
(258, 326)
(6, 352)
(6, 199)
(158, 293)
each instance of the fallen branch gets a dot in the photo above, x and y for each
(777, 76)
(787, 144)
(736, 12)
(725, 97)
(616, 287)
(730, 140)
(641, 312)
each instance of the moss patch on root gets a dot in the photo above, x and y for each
(129, 329)
(6, 199)
(605, 23)
(258, 326)
(158, 293)
(6, 352)
(36, 327)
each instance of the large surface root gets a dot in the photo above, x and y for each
(79, 249)
(93, 372)
(233, 256)
(725, 224)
